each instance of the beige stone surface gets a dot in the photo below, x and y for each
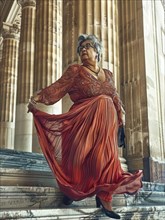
(23, 134)
(142, 76)
(155, 76)
(131, 213)
(8, 83)
(132, 34)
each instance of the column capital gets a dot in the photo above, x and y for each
(27, 3)
(10, 31)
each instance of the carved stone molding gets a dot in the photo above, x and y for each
(10, 14)
(10, 31)
(17, 20)
(27, 3)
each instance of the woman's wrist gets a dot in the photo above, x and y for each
(120, 117)
(35, 99)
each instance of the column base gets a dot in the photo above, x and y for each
(7, 132)
(23, 128)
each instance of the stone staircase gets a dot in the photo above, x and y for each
(126, 213)
(28, 191)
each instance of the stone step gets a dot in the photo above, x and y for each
(151, 186)
(126, 213)
(25, 169)
(12, 197)
(24, 197)
(23, 160)
(20, 177)
(144, 198)
(31, 169)
(27, 184)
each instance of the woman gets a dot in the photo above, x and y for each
(81, 145)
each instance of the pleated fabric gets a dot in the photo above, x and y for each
(82, 150)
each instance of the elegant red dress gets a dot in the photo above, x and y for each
(81, 145)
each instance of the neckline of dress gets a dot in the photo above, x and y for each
(95, 77)
(95, 72)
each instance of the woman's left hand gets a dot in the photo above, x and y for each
(120, 118)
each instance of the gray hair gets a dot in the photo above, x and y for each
(96, 43)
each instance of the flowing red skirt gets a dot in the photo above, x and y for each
(82, 151)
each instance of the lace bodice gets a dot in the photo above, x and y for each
(80, 84)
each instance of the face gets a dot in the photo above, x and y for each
(87, 51)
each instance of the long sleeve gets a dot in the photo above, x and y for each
(58, 89)
(116, 99)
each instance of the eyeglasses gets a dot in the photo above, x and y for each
(86, 46)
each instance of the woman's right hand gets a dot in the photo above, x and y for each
(31, 107)
(32, 102)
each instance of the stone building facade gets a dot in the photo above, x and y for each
(38, 41)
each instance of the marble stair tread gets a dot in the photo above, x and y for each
(146, 198)
(21, 177)
(23, 197)
(17, 164)
(12, 152)
(24, 168)
(126, 213)
(153, 186)
(23, 160)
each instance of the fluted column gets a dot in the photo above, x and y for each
(8, 85)
(24, 121)
(143, 83)
(99, 18)
(133, 85)
(48, 51)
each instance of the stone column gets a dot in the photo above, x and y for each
(48, 51)
(24, 121)
(99, 18)
(134, 85)
(8, 85)
(142, 59)
(154, 55)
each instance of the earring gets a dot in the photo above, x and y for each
(96, 56)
